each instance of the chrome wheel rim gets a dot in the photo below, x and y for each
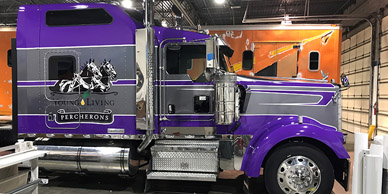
(299, 175)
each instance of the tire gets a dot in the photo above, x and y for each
(295, 165)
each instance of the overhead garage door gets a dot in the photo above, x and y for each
(355, 63)
(382, 118)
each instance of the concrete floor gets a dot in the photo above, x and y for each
(230, 182)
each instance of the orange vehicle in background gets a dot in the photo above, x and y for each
(296, 51)
(5, 74)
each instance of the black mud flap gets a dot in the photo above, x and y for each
(342, 170)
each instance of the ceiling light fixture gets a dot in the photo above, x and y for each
(220, 1)
(286, 20)
(126, 4)
(80, 6)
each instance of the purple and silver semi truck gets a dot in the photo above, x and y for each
(102, 90)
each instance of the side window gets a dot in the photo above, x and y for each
(247, 63)
(61, 67)
(78, 17)
(314, 61)
(185, 59)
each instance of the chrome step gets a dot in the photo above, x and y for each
(185, 176)
(175, 159)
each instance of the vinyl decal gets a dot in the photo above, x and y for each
(91, 77)
(73, 117)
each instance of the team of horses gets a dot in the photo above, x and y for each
(91, 77)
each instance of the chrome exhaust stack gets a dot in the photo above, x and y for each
(226, 91)
(150, 121)
(87, 159)
(226, 99)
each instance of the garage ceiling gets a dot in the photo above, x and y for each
(207, 12)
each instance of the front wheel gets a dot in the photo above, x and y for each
(298, 169)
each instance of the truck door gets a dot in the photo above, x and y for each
(187, 95)
(61, 69)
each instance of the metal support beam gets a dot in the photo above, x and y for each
(305, 18)
(180, 7)
(375, 68)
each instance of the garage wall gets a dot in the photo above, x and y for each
(382, 117)
(355, 63)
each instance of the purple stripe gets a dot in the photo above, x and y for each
(36, 83)
(52, 83)
(249, 123)
(128, 123)
(295, 92)
(124, 82)
(279, 83)
(251, 82)
(162, 33)
(182, 83)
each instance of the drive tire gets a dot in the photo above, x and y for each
(293, 150)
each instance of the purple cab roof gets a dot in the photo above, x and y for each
(32, 30)
(162, 33)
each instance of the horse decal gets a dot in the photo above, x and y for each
(91, 77)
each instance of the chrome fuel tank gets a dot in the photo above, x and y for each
(86, 159)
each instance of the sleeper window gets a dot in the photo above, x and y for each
(61, 67)
(78, 17)
(314, 61)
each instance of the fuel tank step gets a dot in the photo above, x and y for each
(186, 176)
(195, 160)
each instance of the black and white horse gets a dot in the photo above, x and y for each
(88, 79)
(108, 75)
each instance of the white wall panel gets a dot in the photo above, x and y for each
(352, 54)
(368, 33)
(353, 41)
(346, 57)
(366, 62)
(355, 62)
(346, 44)
(360, 37)
(384, 26)
(382, 117)
(384, 41)
(360, 51)
(384, 55)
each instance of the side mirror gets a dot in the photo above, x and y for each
(344, 80)
(324, 76)
(247, 62)
(9, 58)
